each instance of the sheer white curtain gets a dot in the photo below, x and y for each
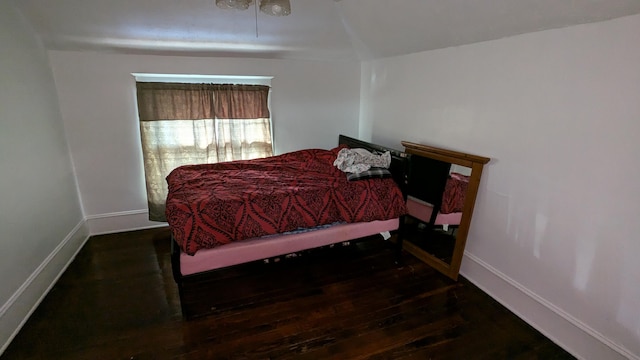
(183, 124)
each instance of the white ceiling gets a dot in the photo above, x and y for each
(316, 29)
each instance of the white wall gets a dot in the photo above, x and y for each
(41, 222)
(312, 102)
(555, 231)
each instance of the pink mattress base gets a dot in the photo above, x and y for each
(262, 248)
(422, 210)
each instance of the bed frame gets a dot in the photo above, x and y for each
(193, 273)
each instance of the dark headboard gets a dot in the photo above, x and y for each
(399, 159)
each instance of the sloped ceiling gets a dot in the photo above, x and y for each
(316, 29)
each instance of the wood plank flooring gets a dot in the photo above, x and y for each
(118, 300)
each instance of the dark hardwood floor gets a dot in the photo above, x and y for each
(118, 300)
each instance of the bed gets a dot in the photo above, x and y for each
(450, 206)
(435, 192)
(226, 214)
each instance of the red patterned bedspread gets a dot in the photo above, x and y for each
(454, 191)
(213, 204)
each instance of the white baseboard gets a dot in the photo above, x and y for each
(121, 221)
(561, 327)
(17, 310)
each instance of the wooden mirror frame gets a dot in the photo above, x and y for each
(476, 163)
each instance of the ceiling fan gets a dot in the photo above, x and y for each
(270, 7)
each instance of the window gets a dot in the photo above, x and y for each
(188, 123)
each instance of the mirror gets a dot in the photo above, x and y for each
(441, 187)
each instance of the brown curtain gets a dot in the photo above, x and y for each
(184, 124)
(173, 101)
